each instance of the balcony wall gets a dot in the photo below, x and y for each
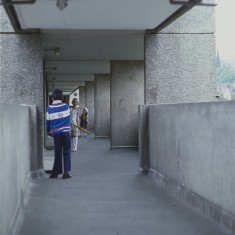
(191, 152)
(18, 156)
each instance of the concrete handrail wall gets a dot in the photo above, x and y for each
(191, 151)
(18, 157)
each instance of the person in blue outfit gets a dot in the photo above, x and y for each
(58, 123)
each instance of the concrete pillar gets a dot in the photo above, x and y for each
(127, 92)
(21, 76)
(82, 101)
(180, 60)
(102, 105)
(89, 102)
(180, 63)
(21, 82)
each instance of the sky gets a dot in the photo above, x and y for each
(225, 29)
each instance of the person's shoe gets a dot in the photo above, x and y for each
(66, 175)
(53, 176)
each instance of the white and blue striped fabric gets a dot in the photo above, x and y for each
(57, 118)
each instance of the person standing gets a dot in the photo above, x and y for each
(74, 112)
(58, 126)
(84, 121)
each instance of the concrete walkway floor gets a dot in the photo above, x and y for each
(107, 196)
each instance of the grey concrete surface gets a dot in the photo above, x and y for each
(191, 152)
(127, 92)
(82, 97)
(90, 102)
(106, 196)
(197, 20)
(17, 158)
(5, 24)
(143, 134)
(21, 76)
(180, 60)
(102, 105)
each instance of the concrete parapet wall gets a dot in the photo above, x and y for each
(191, 152)
(18, 145)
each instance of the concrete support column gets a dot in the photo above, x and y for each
(180, 65)
(127, 92)
(22, 127)
(89, 102)
(82, 98)
(180, 60)
(102, 105)
(21, 79)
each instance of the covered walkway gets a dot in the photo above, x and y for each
(107, 196)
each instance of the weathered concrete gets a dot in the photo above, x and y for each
(18, 146)
(5, 24)
(144, 137)
(102, 105)
(127, 92)
(107, 196)
(82, 97)
(90, 100)
(191, 152)
(21, 76)
(180, 60)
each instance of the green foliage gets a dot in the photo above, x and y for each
(225, 74)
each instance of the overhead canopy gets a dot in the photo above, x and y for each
(91, 33)
(95, 14)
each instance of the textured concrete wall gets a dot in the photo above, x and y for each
(5, 24)
(102, 105)
(191, 149)
(82, 97)
(21, 76)
(143, 131)
(127, 92)
(180, 60)
(90, 100)
(17, 157)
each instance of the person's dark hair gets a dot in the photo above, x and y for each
(57, 94)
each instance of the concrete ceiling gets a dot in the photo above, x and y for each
(91, 33)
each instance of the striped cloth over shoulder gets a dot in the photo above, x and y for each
(57, 118)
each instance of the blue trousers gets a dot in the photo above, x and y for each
(62, 143)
